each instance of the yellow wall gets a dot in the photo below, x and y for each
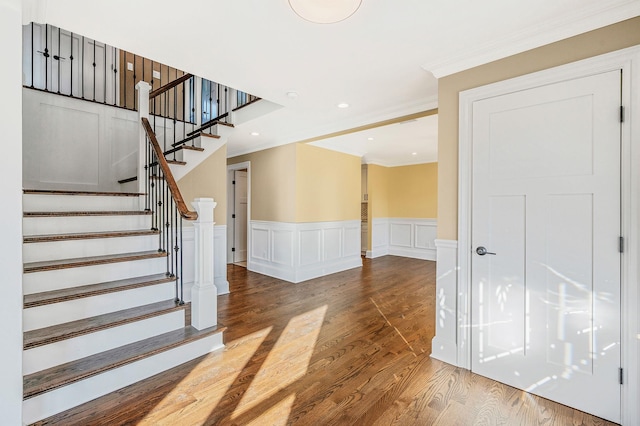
(413, 191)
(273, 183)
(327, 185)
(209, 179)
(378, 190)
(607, 39)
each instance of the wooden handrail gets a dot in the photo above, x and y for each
(170, 85)
(171, 182)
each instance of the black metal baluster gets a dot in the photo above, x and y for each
(135, 100)
(147, 173)
(175, 121)
(82, 60)
(167, 231)
(104, 100)
(164, 134)
(46, 57)
(71, 65)
(32, 54)
(181, 267)
(115, 76)
(226, 103)
(184, 108)
(94, 70)
(58, 60)
(154, 99)
(172, 211)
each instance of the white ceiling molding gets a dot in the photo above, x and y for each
(532, 37)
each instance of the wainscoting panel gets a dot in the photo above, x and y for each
(91, 145)
(301, 251)
(220, 259)
(403, 237)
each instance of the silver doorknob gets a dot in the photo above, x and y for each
(481, 251)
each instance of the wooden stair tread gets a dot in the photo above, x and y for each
(73, 293)
(69, 330)
(84, 193)
(71, 372)
(181, 147)
(89, 213)
(180, 163)
(88, 235)
(50, 265)
(194, 136)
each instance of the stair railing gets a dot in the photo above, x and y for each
(164, 200)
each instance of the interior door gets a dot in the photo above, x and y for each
(240, 221)
(545, 236)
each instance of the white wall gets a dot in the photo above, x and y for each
(298, 252)
(10, 184)
(405, 237)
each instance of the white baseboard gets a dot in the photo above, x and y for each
(407, 237)
(298, 252)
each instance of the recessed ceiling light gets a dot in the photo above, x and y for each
(255, 134)
(414, 153)
(292, 94)
(369, 139)
(343, 105)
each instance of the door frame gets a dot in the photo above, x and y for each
(230, 168)
(629, 61)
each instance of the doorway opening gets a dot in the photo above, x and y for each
(238, 213)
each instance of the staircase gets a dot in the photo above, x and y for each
(101, 310)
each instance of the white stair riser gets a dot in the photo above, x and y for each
(37, 282)
(76, 224)
(55, 401)
(72, 310)
(47, 356)
(54, 250)
(66, 203)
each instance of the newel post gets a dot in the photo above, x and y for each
(143, 89)
(204, 294)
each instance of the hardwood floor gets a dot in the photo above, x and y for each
(348, 349)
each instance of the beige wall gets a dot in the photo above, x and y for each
(273, 183)
(413, 191)
(209, 179)
(327, 185)
(607, 39)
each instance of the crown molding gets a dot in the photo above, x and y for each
(529, 38)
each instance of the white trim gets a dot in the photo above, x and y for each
(568, 25)
(629, 61)
(240, 166)
(297, 252)
(403, 237)
(444, 343)
(219, 258)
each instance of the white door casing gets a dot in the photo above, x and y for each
(546, 200)
(240, 220)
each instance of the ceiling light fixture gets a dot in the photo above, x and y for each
(324, 11)
(414, 153)
(369, 139)
(343, 105)
(255, 134)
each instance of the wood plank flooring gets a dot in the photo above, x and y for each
(348, 349)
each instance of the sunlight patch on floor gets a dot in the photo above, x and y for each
(288, 360)
(278, 415)
(222, 369)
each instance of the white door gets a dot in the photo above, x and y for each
(240, 219)
(546, 209)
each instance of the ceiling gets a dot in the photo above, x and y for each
(383, 61)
